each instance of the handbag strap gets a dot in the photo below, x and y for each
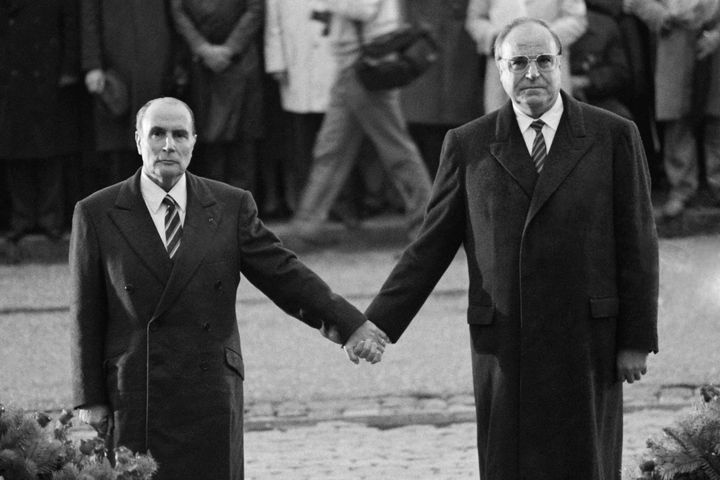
(403, 13)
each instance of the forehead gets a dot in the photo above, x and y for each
(167, 114)
(528, 39)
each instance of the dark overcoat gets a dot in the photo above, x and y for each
(158, 341)
(134, 39)
(563, 273)
(39, 43)
(450, 92)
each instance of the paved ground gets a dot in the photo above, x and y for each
(313, 415)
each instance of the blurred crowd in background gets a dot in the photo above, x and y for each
(257, 74)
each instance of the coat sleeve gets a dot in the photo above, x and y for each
(185, 26)
(636, 245)
(651, 12)
(426, 259)
(479, 26)
(91, 37)
(88, 313)
(247, 28)
(571, 22)
(70, 38)
(282, 277)
(275, 59)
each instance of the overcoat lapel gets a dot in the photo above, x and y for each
(201, 221)
(570, 144)
(131, 216)
(510, 151)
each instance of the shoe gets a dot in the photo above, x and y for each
(53, 234)
(673, 207)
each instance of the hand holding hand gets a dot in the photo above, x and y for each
(98, 417)
(631, 365)
(707, 43)
(367, 342)
(216, 57)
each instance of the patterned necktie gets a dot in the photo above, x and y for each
(539, 152)
(173, 227)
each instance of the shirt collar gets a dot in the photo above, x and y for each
(153, 194)
(551, 117)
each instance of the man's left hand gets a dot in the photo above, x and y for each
(367, 342)
(631, 365)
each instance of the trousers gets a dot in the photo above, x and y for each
(353, 113)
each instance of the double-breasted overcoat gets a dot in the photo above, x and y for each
(157, 340)
(563, 273)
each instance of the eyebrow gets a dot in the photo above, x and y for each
(175, 131)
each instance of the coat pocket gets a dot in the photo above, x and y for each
(235, 362)
(604, 307)
(480, 314)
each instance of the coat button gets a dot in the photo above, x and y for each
(219, 286)
(154, 327)
(206, 326)
(129, 288)
(204, 366)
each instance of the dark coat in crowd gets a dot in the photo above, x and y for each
(600, 56)
(450, 92)
(38, 46)
(563, 273)
(158, 340)
(227, 105)
(132, 38)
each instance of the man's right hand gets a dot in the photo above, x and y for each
(95, 80)
(98, 417)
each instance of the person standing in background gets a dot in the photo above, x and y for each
(225, 88)
(687, 92)
(298, 56)
(39, 130)
(450, 92)
(485, 18)
(127, 54)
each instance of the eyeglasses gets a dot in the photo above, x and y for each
(520, 63)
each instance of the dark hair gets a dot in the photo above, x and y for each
(143, 109)
(518, 22)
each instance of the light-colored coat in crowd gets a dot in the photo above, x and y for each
(485, 19)
(295, 44)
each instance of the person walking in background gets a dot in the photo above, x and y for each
(450, 92)
(155, 263)
(225, 84)
(687, 92)
(127, 54)
(550, 198)
(298, 56)
(599, 66)
(39, 131)
(354, 112)
(485, 18)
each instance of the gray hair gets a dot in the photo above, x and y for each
(518, 22)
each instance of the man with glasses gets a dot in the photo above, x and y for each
(550, 198)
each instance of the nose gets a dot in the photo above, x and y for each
(169, 144)
(532, 71)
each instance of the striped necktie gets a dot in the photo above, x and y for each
(173, 227)
(539, 151)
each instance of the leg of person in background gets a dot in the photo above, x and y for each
(381, 118)
(681, 166)
(429, 139)
(50, 197)
(209, 161)
(241, 163)
(23, 192)
(712, 156)
(334, 156)
(304, 128)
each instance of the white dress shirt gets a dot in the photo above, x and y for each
(153, 195)
(551, 119)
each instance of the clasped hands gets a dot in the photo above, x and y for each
(367, 342)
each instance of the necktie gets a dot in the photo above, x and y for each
(173, 227)
(539, 152)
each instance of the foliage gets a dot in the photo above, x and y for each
(689, 450)
(34, 447)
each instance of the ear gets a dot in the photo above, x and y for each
(137, 142)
